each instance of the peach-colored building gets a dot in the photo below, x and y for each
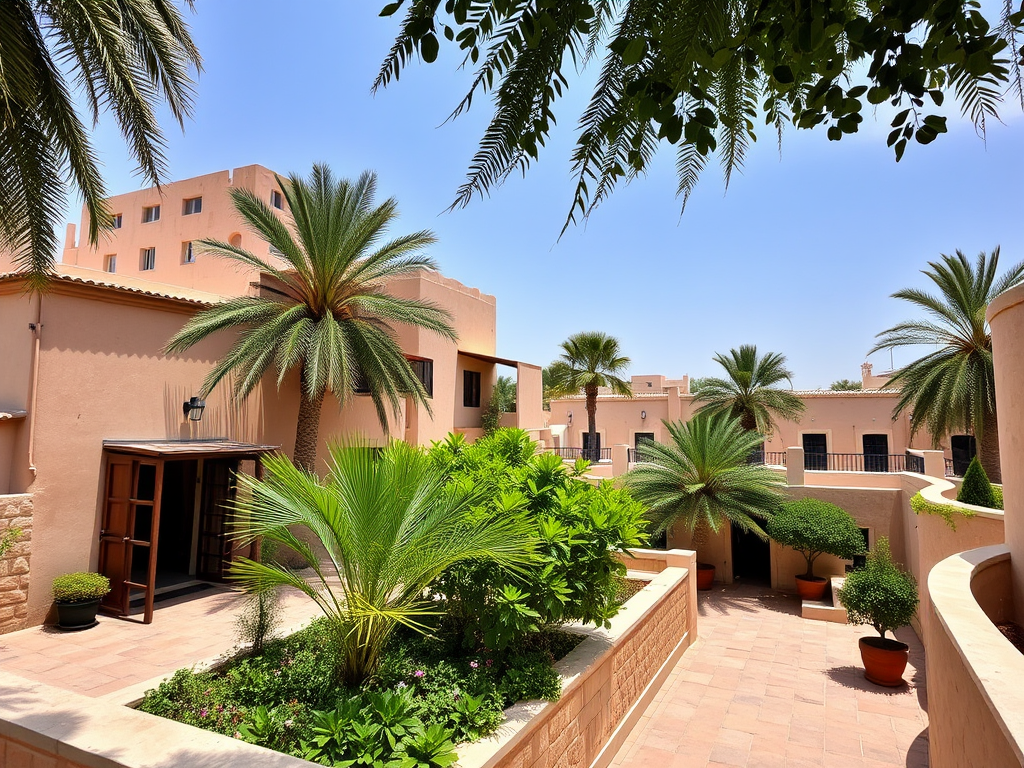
(836, 431)
(100, 463)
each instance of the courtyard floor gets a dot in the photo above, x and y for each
(121, 658)
(764, 688)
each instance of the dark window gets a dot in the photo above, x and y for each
(191, 206)
(276, 199)
(597, 442)
(116, 220)
(815, 451)
(471, 389)
(151, 214)
(963, 448)
(876, 453)
(859, 561)
(424, 370)
(359, 384)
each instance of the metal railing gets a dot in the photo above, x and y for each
(857, 462)
(772, 458)
(915, 463)
(590, 454)
(633, 455)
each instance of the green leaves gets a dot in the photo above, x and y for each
(880, 594)
(814, 527)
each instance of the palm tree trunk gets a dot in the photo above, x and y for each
(594, 454)
(307, 431)
(988, 449)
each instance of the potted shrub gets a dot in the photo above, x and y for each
(813, 528)
(884, 596)
(78, 596)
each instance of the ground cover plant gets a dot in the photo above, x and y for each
(447, 574)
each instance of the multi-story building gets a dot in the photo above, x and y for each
(103, 458)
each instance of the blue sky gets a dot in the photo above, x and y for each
(798, 257)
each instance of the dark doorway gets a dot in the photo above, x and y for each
(592, 452)
(638, 443)
(963, 448)
(751, 558)
(876, 453)
(815, 451)
(214, 527)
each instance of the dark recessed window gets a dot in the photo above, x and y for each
(192, 205)
(424, 370)
(116, 220)
(359, 384)
(276, 199)
(188, 253)
(150, 214)
(471, 389)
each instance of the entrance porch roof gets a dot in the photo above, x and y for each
(188, 449)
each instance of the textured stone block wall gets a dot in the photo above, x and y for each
(16, 754)
(15, 512)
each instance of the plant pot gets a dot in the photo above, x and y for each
(884, 660)
(705, 576)
(76, 616)
(811, 588)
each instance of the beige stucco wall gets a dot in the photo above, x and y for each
(217, 220)
(1006, 318)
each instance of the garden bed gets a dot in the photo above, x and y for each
(286, 698)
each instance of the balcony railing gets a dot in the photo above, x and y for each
(772, 458)
(915, 463)
(590, 454)
(858, 462)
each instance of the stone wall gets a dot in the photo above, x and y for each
(608, 680)
(15, 512)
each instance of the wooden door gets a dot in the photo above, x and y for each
(214, 550)
(115, 532)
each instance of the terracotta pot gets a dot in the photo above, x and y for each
(812, 588)
(884, 660)
(705, 576)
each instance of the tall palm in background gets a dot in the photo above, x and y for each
(329, 314)
(750, 390)
(388, 526)
(952, 388)
(128, 57)
(589, 360)
(700, 479)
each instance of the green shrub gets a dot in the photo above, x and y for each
(880, 594)
(976, 489)
(813, 528)
(79, 587)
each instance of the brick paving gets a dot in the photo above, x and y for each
(765, 688)
(126, 656)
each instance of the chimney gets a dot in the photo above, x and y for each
(866, 375)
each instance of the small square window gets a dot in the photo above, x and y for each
(276, 199)
(150, 214)
(471, 389)
(192, 205)
(110, 262)
(116, 220)
(148, 260)
(188, 254)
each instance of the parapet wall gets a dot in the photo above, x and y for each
(15, 512)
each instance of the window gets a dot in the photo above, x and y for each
(188, 254)
(110, 262)
(275, 251)
(859, 561)
(276, 199)
(150, 214)
(359, 384)
(192, 205)
(471, 389)
(424, 370)
(115, 221)
(148, 260)
(815, 451)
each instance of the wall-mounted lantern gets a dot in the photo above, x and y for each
(193, 408)
(569, 418)
(643, 415)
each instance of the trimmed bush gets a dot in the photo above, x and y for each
(79, 587)
(976, 489)
(880, 594)
(814, 527)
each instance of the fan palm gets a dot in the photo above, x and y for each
(388, 525)
(329, 313)
(952, 388)
(749, 391)
(589, 360)
(700, 478)
(128, 57)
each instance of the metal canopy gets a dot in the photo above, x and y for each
(187, 449)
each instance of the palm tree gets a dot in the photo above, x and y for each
(846, 385)
(129, 57)
(749, 391)
(505, 394)
(388, 525)
(701, 480)
(952, 388)
(589, 360)
(328, 313)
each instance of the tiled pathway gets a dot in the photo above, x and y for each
(121, 658)
(766, 689)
